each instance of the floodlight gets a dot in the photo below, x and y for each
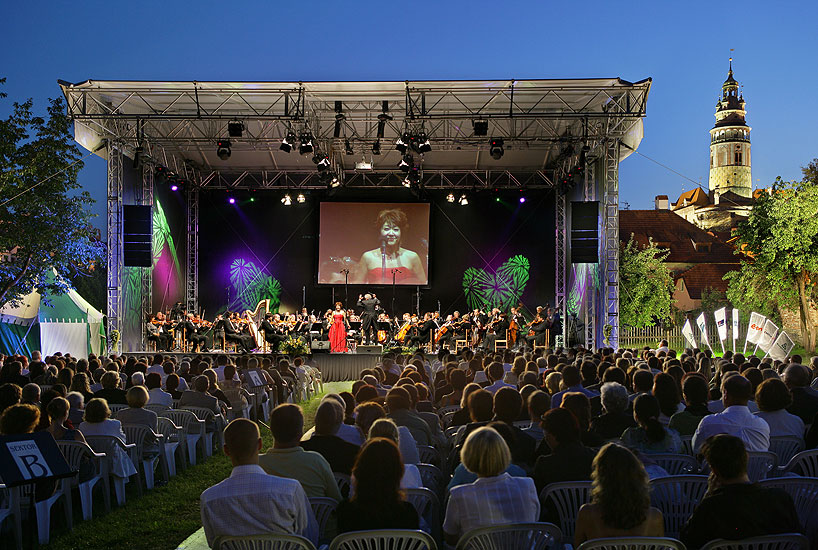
(305, 147)
(496, 148)
(231, 200)
(288, 142)
(463, 200)
(450, 197)
(286, 200)
(223, 149)
(402, 144)
(235, 129)
(301, 198)
(423, 145)
(406, 163)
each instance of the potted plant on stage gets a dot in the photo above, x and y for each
(294, 346)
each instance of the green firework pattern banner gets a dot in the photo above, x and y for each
(501, 289)
(250, 285)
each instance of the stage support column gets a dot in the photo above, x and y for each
(114, 211)
(146, 273)
(560, 260)
(192, 252)
(589, 309)
(610, 257)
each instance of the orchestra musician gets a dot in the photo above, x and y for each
(191, 333)
(158, 332)
(424, 332)
(554, 324)
(272, 335)
(497, 329)
(537, 330)
(369, 304)
(452, 325)
(233, 334)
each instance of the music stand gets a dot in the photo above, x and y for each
(28, 458)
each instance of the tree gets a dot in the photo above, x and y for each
(44, 218)
(780, 243)
(646, 285)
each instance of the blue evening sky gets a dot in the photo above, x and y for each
(683, 46)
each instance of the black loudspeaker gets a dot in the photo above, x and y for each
(585, 232)
(369, 350)
(137, 236)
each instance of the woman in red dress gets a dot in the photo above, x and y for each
(338, 331)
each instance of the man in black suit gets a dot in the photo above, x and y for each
(554, 324)
(157, 332)
(498, 329)
(369, 304)
(232, 334)
(539, 326)
(191, 333)
(424, 333)
(271, 333)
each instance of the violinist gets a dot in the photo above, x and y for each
(497, 329)
(232, 333)
(424, 333)
(537, 330)
(554, 323)
(271, 333)
(191, 333)
(448, 330)
(158, 332)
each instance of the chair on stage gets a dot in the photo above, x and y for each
(462, 343)
(501, 343)
(547, 339)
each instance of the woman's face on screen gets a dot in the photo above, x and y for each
(390, 232)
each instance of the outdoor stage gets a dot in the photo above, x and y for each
(334, 367)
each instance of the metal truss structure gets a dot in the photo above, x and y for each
(589, 194)
(145, 198)
(543, 125)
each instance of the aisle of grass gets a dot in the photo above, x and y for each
(167, 515)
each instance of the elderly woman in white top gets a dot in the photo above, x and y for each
(385, 427)
(773, 397)
(98, 421)
(496, 498)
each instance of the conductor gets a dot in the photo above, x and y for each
(368, 304)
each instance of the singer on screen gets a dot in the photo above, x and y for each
(375, 266)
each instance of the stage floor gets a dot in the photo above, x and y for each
(334, 367)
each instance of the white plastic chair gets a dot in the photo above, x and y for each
(10, 498)
(427, 506)
(785, 447)
(443, 411)
(433, 478)
(218, 427)
(784, 541)
(155, 407)
(75, 453)
(677, 497)
(804, 493)
(568, 497)
(632, 543)
(194, 430)
(323, 509)
(687, 444)
(344, 483)
(42, 508)
(383, 539)
(115, 408)
(804, 464)
(429, 455)
(263, 542)
(107, 444)
(760, 465)
(174, 442)
(532, 536)
(675, 464)
(138, 435)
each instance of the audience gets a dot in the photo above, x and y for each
(736, 419)
(110, 391)
(650, 436)
(694, 391)
(804, 398)
(614, 419)
(386, 428)
(569, 459)
(98, 421)
(339, 454)
(773, 397)
(620, 499)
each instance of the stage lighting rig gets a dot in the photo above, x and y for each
(422, 144)
(496, 148)
(286, 200)
(450, 197)
(288, 142)
(406, 163)
(305, 146)
(376, 148)
(464, 201)
(403, 143)
(160, 174)
(481, 127)
(223, 149)
(348, 148)
(235, 129)
(322, 161)
(301, 198)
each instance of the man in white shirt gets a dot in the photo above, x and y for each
(251, 502)
(736, 419)
(156, 365)
(155, 392)
(495, 374)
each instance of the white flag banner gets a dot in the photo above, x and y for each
(701, 321)
(767, 338)
(734, 319)
(687, 332)
(721, 322)
(782, 346)
(755, 327)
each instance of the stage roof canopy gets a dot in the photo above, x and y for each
(543, 124)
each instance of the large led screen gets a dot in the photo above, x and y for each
(373, 243)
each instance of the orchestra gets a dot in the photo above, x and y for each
(251, 331)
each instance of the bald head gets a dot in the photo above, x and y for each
(242, 441)
(737, 390)
(796, 376)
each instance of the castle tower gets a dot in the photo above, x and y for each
(730, 168)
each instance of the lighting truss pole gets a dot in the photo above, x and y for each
(560, 253)
(611, 241)
(192, 251)
(590, 290)
(114, 301)
(146, 273)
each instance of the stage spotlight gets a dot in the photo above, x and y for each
(403, 143)
(174, 187)
(376, 148)
(423, 145)
(463, 200)
(522, 200)
(335, 181)
(223, 149)
(252, 199)
(231, 200)
(481, 127)
(305, 147)
(407, 182)
(450, 197)
(160, 174)
(286, 200)
(323, 163)
(288, 142)
(496, 199)
(496, 148)
(235, 129)
(348, 148)
(406, 163)
(301, 198)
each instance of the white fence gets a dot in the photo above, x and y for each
(651, 336)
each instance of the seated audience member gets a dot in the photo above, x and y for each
(98, 421)
(538, 404)
(172, 387)
(666, 393)
(804, 398)
(367, 413)
(385, 427)
(158, 396)
(733, 508)
(463, 476)
(773, 398)
(19, 419)
(580, 405)
(199, 396)
(30, 394)
(110, 391)
(377, 502)
(339, 454)
(398, 403)
(569, 460)
(481, 411)
(462, 417)
(287, 459)
(694, 391)
(507, 406)
(620, 499)
(458, 381)
(650, 436)
(138, 397)
(80, 383)
(572, 381)
(77, 410)
(237, 396)
(251, 502)
(10, 394)
(614, 419)
(347, 432)
(496, 373)
(736, 419)
(12, 373)
(58, 413)
(495, 498)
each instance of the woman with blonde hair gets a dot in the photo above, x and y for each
(620, 499)
(496, 498)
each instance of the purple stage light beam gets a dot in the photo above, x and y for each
(231, 200)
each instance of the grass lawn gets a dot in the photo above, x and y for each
(165, 516)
